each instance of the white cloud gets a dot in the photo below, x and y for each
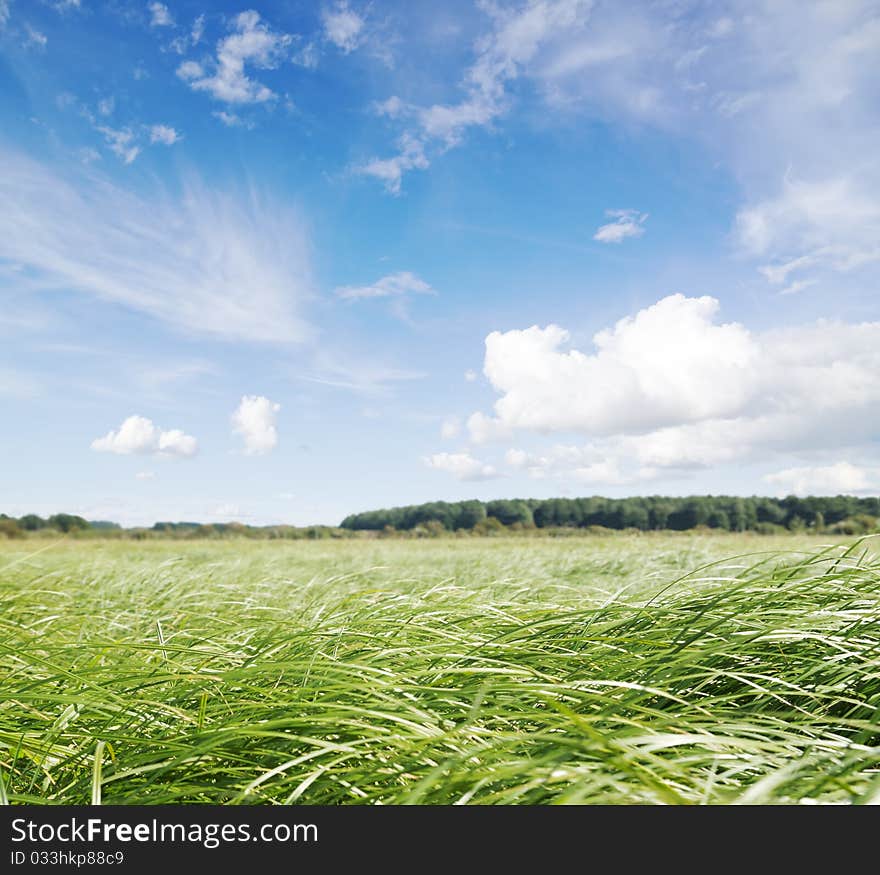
(671, 388)
(160, 15)
(139, 435)
(797, 286)
(470, 376)
(180, 44)
(392, 107)
(253, 43)
(667, 364)
(721, 28)
(483, 429)
(390, 170)
(197, 30)
(462, 466)
(254, 422)
(450, 427)
(233, 265)
(795, 123)
(4, 12)
(627, 223)
(145, 475)
(515, 40)
(834, 223)
(231, 119)
(343, 26)
(106, 105)
(121, 143)
(394, 285)
(778, 273)
(357, 373)
(226, 511)
(585, 465)
(307, 56)
(164, 134)
(190, 70)
(841, 478)
(35, 37)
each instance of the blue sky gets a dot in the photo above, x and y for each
(291, 261)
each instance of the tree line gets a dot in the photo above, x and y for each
(850, 514)
(840, 514)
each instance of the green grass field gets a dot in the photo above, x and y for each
(510, 670)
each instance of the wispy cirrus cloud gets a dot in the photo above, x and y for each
(356, 373)
(233, 265)
(393, 285)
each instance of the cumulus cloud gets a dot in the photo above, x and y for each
(233, 265)
(251, 43)
(160, 16)
(4, 12)
(462, 466)
(627, 223)
(138, 435)
(841, 478)
(254, 422)
(394, 285)
(674, 388)
(164, 134)
(343, 27)
(667, 364)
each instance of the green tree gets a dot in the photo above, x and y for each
(718, 519)
(31, 522)
(65, 522)
(509, 512)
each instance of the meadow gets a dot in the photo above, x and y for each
(678, 669)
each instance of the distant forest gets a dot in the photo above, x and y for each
(849, 514)
(841, 514)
